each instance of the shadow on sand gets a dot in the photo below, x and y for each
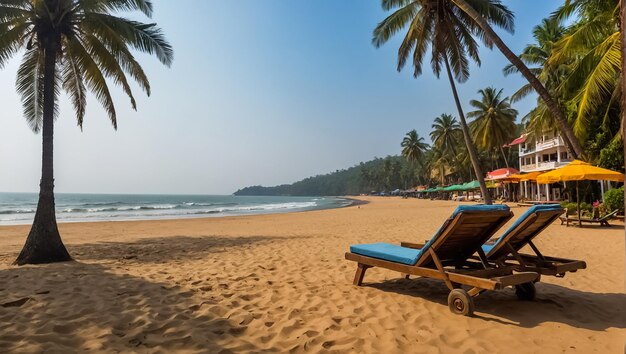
(594, 311)
(165, 249)
(88, 305)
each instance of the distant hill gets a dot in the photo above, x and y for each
(379, 174)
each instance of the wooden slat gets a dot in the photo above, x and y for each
(402, 268)
(418, 246)
(478, 279)
(485, 273)
(453, 241)
(517, 278)
(546, 266)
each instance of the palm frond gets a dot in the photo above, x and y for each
(145, 6)
(143, 37)
(394, 23)
(8, 13)
(12, 36)
(93, 77)
(606, 65)
(116, 46)
(29, 85)
(108, 64)
(73, 84)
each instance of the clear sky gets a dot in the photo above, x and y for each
(260, 92)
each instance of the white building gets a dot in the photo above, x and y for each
(544, 153)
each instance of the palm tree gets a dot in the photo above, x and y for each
(446, 133)
(441, 162)
(493, 122)
(546, 35)
(475, 9)
(74, 45)
(450, 34)
(592, 48)
(414, 147)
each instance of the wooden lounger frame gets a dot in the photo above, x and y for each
(603, 221)
(479, 279)
(536, 263)
(480, 275)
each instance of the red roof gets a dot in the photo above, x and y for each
(501, 173)
(519, 140)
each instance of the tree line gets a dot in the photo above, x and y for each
(377, 175)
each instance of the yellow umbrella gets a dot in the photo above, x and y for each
(532, 176)
(579, 171)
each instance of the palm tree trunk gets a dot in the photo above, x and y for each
(564, 126)
(623, 38)
(471, 149)
(506, 162)
(44, 244)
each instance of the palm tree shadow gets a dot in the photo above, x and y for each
(594, 311)
(165, 249)
(90, 304)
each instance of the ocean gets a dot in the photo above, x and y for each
(19, 208)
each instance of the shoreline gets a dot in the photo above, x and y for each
(217, 215)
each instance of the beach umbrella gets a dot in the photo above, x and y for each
(532, 176)
(471, 185)
(579, 171)
(501, 173)
(455, 187)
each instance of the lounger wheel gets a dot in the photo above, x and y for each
(526, 291)
(460, 302)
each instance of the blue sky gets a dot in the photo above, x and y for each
(260, 92)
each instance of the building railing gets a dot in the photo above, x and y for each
(544, 165)
(550, 143)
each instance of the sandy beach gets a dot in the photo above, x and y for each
(279, 283)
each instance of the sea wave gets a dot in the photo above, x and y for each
(16, 211)
(122, 208)
(259, 207)
(143, 208)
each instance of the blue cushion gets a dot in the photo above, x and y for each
(410, 256)
(533, 209)
(387, 252)
(487, 248)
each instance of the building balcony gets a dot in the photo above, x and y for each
(544, 166)
(550, 143)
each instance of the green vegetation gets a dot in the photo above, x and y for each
(74, 45)
(378, 175)
(580, 66)
(614, 199)
(494, 121)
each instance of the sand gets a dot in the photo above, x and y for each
(279, 283)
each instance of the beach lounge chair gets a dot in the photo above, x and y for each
(603, 221)
(447, 256)
(505, 250)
